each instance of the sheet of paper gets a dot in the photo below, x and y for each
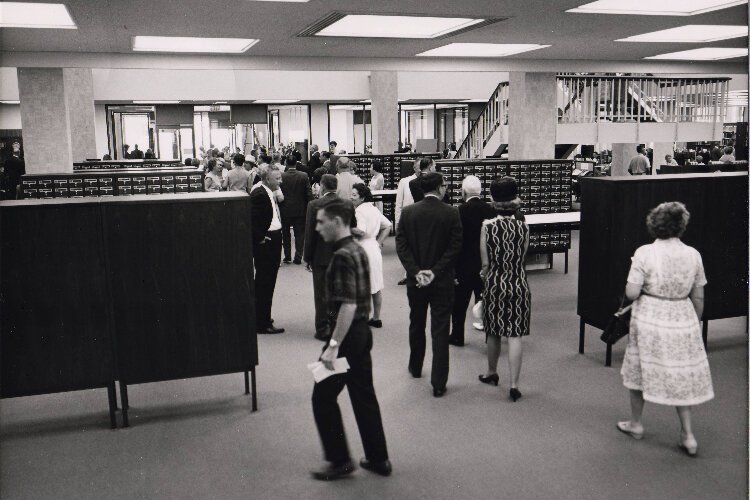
(320, 372)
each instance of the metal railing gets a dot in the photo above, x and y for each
(494, 114)
(589, 99)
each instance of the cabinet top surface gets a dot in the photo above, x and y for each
(134, 199)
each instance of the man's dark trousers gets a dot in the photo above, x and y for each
(462, 297)
(298, 224)
(267, 259)
(439, 297)
(358, 381)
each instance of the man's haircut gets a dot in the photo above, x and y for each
(425, 163)
(264, 158)
(264, 171)
(343, 162)
(210, 164)
(239, 159)
(339, 208)
(471, 185)
(329, 182)
(431, 181)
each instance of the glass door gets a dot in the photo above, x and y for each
(130, 126)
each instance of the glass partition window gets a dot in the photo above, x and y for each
(417, 122)
(350, 125)
(131, 126)
(446, 122)
(452, 124)
(290, 126)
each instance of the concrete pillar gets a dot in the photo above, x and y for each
(384, 96)
(532, 115)
(57, 113)
(622, 153)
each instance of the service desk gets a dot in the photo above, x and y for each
(554, 230)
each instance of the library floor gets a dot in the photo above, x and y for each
(197, 438)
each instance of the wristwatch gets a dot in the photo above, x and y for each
(333, 343)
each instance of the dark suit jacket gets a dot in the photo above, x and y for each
(317, 252)
(472, 213)
(415, 186)
(261, 213)
(429, 237)
(297, 193)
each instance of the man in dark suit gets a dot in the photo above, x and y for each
(426, 165)
(428, 241)
(315, 161)
(318, 253)
(473, 211)
(295, 186)
(266, 220)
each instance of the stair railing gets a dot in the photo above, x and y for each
(494, 114)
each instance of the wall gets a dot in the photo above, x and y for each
(448, 85)
(319, 125)
(10, 116)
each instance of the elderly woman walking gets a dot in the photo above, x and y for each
(665, 361)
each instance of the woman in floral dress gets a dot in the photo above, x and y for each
(665, 361)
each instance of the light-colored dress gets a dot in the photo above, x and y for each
(212, 182)
(665, 357)
(371, 222)
(376, 184)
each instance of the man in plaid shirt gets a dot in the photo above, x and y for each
(348, 296)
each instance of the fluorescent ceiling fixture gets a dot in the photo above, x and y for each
(655, 8)
(10, 102)
(690, 34)
(704, 54)
(192, 44)
(275, 101)
(355, 25)
(35, 15)
(156, 102)
(481, 49)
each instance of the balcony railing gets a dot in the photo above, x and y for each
(494, 114)
(589, 99)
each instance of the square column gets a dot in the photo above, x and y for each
(384, 96)
(57, 116)
(532, 115)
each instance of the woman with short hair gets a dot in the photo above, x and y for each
(376, 228)
(214, 180)
(665, 361)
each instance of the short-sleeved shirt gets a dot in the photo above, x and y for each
(667, 268)
(348, 279)
(237, 179)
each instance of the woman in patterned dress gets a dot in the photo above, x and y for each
(506, 297)
(665, 361)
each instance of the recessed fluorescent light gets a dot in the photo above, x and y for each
(481, 49)
(374, 26)
(704, 54)
(275, 101)
(192, 44)
(655, 8)
(10, 102)
(35, 15)
(156, 102)
(692, 33)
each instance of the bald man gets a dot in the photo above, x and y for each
(468, 263)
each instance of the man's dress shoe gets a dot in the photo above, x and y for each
(331, 471)
(415, 373)
(439, 392)
(455, 342)
(383, 468)
(270, 329)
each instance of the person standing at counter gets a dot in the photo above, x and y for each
(639, 164)
(15, 167)
(214, 181)
(377, 181)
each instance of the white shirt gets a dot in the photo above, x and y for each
(403, 195)
(276, 217)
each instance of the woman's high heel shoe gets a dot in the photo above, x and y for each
(490, 379)
(515, 394)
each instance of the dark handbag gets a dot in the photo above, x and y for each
(618, 326)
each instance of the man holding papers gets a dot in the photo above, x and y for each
(348, 295)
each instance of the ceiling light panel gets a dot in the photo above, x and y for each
(276, 101)
(703, 54)
(692, 33)
(373, 26)
(655, 8)
(190, 44)
(481, 49)
(35, 15)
